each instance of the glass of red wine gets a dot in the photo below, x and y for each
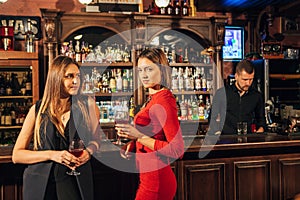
(76, 148)
(121, 117)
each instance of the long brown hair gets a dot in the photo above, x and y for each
(51, 104)
(158, 57)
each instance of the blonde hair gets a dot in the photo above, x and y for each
(51, 103)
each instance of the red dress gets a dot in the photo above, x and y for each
(158, 119)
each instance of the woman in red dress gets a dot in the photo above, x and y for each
(156, 134)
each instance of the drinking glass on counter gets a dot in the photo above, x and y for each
(242, 128)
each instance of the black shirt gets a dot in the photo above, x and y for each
(229, 107)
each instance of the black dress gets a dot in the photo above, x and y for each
(48, 180)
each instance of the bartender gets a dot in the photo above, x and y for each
(238, 102)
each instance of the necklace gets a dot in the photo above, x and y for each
(65, 116)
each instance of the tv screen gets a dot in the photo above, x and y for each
(233, 49)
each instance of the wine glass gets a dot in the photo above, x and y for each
(121, 117)
(76, 148)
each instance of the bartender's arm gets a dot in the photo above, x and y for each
(260, 116)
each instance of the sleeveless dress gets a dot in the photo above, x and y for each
(158, 119)
(48, 180)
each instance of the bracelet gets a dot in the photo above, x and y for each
(95, 144)
(87, 150)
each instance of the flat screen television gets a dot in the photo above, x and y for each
(233, 49)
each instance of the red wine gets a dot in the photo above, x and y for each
(76, 152)
(117, 121)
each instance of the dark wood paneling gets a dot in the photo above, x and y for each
(252, 180)
(289, 177)
(204, 181)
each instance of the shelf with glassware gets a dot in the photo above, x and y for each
(18, 90)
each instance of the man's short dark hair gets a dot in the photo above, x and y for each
(245, 65)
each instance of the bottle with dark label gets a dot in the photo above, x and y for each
(2, 85)
(185, 9)
(8, 86)
(29, 37)
(15, 84)
(170, 8)
(23, 85)
(177, 9)
(28, 84)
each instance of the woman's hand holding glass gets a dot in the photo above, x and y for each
(128, 131)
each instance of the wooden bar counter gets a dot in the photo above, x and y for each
(254, 166)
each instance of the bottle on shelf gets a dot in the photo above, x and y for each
(23, 85)
(119, 81)
(77, 51)
(112, 81)
(131, 109)
(15, 84)
(170, 8)
(177, 9)
(125, 79)
(29, 84)
(185, 9)
(2, 85)
(29, 37)
(8, 85)
(201, 107)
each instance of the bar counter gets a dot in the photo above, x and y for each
(252, 166)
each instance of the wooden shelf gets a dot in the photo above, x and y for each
(23, 55)
(191, 92)
(16, 97)
(190, 65)
(285, 76)
(10, 127)
(94, 64)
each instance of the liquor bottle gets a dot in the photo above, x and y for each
(126, 54)
(71, 51)
(170, 8)
(28, 84)
(8, 86)
(119, 81)
(177, 9)
(13, 114)
(207, 107)
(7, 115)
(125, 79)
(183, 108)
(83, 52)
(2, 84)
(186, 57)
(77, 51)
(195, 109)
(187, 85)
(174, 80)
(15, 84)
(23, 85)
(131, 109)
(130, 81)
(29, 37)
(191, 79)
(203, 80)
(185, 9)
(180, 80)
(197, 80)
(112, 81)
(163, 11)
(201, 107)
(178, 108)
